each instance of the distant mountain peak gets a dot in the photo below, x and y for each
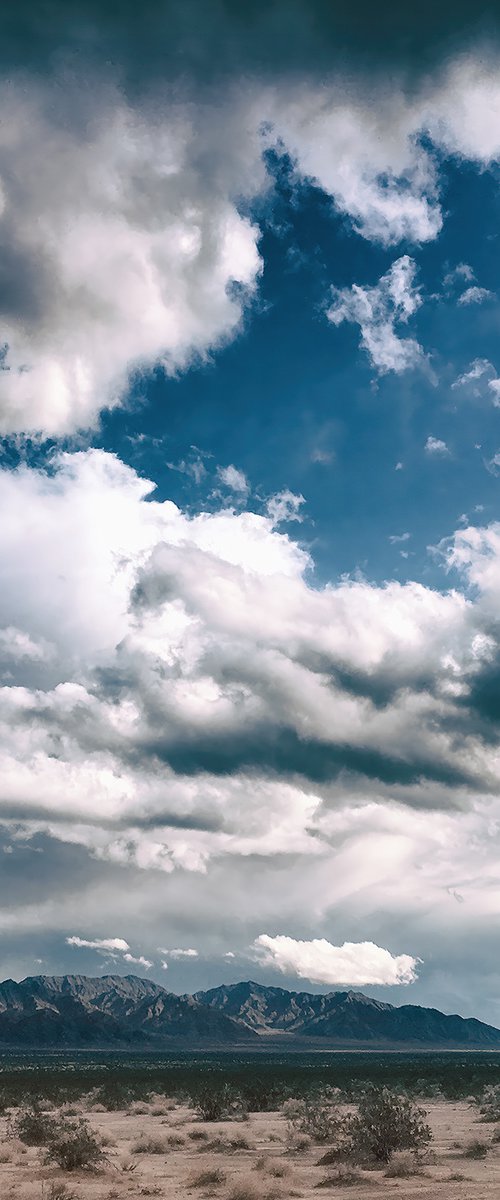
(130, 1011)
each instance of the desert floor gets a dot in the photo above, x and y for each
(158, 1150)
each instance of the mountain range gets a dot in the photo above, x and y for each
(129, 1012)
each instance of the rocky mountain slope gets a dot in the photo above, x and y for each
(345, 1017)
(75, 1010)
(128, 1012)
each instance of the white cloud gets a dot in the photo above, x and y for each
(353, 963)
(475, 295)
(460, 274)
(117, 944)
(378, 311)
(494, 385)
(138, 962)
(122, 237)
(285, 506)
(178, 953)
(122, 253)
(209, 711)
(478, 368)
(233, 479)
(395, 538)
(436, 446)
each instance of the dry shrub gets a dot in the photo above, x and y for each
(244, 1190)
(319, 1117)
(490, 1104)
(402, 1166)
(198, 1135)
(344, 1177)
(149, 1145)
(59, 1191)
(298, 1142)
(278, 1170)
(211, 1177)
(174, 1141)
(476, 1149)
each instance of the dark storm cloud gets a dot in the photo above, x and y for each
(213, 37)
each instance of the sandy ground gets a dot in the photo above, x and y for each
(251, 1159)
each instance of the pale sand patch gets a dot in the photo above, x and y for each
(266, 1170)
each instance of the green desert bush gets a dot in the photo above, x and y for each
(73, 1146)
(384, 1123)
(219, 1103)
(33, 1126)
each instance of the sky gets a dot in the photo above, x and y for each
(249, 476)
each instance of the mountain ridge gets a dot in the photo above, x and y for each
(127, 1012)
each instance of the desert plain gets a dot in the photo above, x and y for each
(163, 1149)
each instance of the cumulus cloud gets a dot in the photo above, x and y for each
(436, 446)
(117, 944)
(124, 227)
(378, 311)
(354, 963)
(121, 246)
(208, 712)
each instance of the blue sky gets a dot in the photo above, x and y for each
(295, 403)
(250, 540)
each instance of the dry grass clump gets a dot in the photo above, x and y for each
(403, 1166)
(244, 1190)
(211, 1177)
(226, 1145)
(59, 1191)
(149, 1145)
(297, 1142)
(278, 1169)
(344, 1177)
(198, 1135)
